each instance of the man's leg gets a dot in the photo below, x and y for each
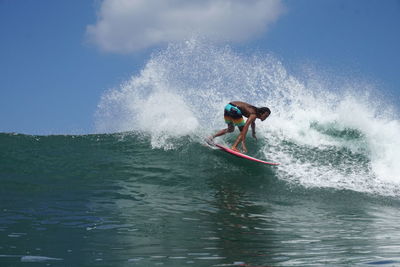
(238, 140)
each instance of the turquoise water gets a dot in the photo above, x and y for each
(146, 191)
(113, 200)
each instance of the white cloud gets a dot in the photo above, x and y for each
(125, 26)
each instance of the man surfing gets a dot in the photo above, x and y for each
(233, 115)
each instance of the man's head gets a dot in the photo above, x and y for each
(263, 113)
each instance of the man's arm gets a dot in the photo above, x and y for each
(253, 129)
(243, 132)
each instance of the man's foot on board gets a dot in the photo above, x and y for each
(236, 149)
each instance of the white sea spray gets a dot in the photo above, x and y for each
(324, 134)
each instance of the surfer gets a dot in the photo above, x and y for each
(233, 115)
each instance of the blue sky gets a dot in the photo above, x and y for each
(57, 57)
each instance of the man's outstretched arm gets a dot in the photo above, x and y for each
(243, 132)
(253, 129)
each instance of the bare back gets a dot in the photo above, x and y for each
(246, 108)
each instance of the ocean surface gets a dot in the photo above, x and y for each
(113, 200)
(144, 189)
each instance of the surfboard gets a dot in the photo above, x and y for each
(241, 155)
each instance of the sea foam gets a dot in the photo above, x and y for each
(324, 133)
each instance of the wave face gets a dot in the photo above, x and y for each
(324, 132)
(113, 199)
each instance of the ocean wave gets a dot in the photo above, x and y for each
(324, 133)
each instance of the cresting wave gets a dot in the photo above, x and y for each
(324, 134)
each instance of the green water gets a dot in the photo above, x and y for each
(113, 200)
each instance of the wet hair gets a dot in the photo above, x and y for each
(263, 110)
